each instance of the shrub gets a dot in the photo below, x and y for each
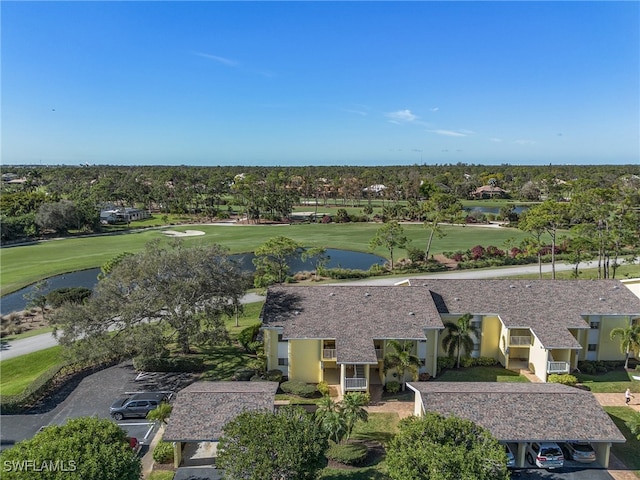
(587, 367)
(247, 337)
(169, 364)
(323, 388)
(273, 376)
(342, 273)
(564, 379)
(486, 361)
(348, 453)
(163, 453)
(424, 376)
(446, 362)
(243, 374)
(392, 386)
(467, 362)
(301, 389)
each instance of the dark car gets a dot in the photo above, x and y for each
(137, 405)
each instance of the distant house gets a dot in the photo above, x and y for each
(339, 334)
(488, 191)
(122, 215)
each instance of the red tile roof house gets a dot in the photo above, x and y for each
(338, 334)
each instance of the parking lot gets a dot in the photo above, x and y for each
(92, 397)
(572, 471)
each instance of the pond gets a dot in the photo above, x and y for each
(494, 210)
(89, 278)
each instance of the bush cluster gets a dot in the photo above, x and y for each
(347, 453)
(168, 364)
(392, 386)
(270, 376)
(342, 273)
(301, 389)
(591, 367)
(163, 453)
(564, 379)
(466, 362)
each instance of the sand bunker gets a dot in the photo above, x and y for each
(187, 233)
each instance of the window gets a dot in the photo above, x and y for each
(594, 325)
(592, 347)
(280, 337)
(283, 362)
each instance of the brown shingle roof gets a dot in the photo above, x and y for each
(519, 412)
(202, 409)
(352, 315)
(548, 307)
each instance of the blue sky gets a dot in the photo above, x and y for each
(320, 83)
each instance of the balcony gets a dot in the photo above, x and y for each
(557, 367)
(520, 341)
(355, 383)
(328, 353)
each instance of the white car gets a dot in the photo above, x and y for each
(580, 452)
(545, 455)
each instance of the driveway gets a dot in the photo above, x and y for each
(566, 473)
(92, 397)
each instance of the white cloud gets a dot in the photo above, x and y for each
(524, 142)
(401, 116)
(449, 133)
(434, 109)
(496, 140)
(224, 61)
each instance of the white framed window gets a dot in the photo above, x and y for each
(594, 325)
(592, 347)
(283, 362)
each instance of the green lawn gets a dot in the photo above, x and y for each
(23, 265)
(17, 373)
(480, 374)
(616, 381)
(629, 452)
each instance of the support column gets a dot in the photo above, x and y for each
(520, 455)
(366, 375)
(177, 454)
(342, 375)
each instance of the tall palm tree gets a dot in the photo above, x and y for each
(402, 359)
(352, 409)
(629, 340)
(458, 337)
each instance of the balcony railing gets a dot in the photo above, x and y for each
(379, 355)
(328, 353)
(557, 367)
(355, 383)
(520, 340)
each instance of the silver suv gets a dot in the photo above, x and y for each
(545, 455)
(137, 405)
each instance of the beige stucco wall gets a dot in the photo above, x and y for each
(538, 357)
(304, 360)
(490, 339)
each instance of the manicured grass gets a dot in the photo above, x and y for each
(615, 381)
(23, 265)
(250, 316)
(17, 373)
(623, 272)
(480, 374)
(381, 427)
(222, 362)
(627, 452)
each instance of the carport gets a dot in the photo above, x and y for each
(201, 410)
(522, 413)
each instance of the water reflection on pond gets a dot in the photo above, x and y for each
(89, 278)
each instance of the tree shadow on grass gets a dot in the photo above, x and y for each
(223, 361)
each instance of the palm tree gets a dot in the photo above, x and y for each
(629, 340)
(330, 419)
(458, 337)
(402, 359)
(352, 409)
(161, 413)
